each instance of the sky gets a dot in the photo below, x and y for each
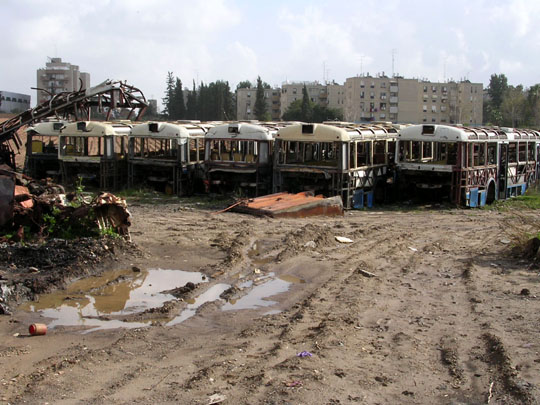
(139, 41)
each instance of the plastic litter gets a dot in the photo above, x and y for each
(304, 354)
(343, 239)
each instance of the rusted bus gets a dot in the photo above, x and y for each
(469, 166)
(353, 161)
(95, 151)
(167, 155)
(41, 158)
(238, 156)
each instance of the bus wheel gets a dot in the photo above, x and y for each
(490, 193)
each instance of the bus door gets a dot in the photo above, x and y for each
(503, 170)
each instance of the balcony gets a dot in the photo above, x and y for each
(393, 99)
(394, 89)
(393, 110)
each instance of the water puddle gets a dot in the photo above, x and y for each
(255, 253)
(89, 302)
(258, 296)
(212, 294)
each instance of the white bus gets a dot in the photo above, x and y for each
(167, 155)
(353, 161)
(94, 151)
(469, 166)
(238, 156)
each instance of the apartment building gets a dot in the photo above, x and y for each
(13, 102)
(398, 99)
(57, 77)
(245, 103)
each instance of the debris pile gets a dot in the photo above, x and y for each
(31, 209)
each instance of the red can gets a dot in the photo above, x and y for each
(37, 329)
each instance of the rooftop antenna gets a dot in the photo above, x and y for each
(393, 60)
(361, 65)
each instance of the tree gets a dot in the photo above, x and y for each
(498, 85)
(246, 84)
(307, 106)
(293, 112)
(532, 112)
(513, 106)
(178, 107)
(191, 108)
(169, 95)
(323, 113)
(260, 102)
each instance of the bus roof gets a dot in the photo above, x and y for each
(334, 132)
(449, 133)
(240, 130)
(96, 128)
(167, 130)
(47, 128)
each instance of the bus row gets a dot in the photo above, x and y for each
(362, 163)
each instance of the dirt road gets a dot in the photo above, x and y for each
(424, 306)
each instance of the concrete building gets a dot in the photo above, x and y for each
(331, 95)
(245, 103)
(412, 101)
(57, 77)
(13, 102)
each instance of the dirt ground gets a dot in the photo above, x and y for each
(425, 306)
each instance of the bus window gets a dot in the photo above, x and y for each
(451, 150)
(530, 151)
(363, 153)
(379, 152)
(512, 152)
(522, 151)
(352, 155)
(427, 151)
(492, 154)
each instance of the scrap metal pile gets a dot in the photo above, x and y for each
(31, 209)
(76, 105)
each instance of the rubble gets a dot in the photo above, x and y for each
(33, 210)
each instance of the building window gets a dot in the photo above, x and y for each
(361, 94)
(383, 96)
(434, 108)
(383, 85)
(372, 85)
(371, 95)
(361, 83)
(424, 108)
(382, 106)
(434, 89)
(293, 91)
(425, 89)
(433, 120)
(425, 119)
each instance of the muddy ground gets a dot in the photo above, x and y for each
(425, 306)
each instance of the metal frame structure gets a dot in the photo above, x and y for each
(167, 153)
(239, 156)
(472, 166)
(95, 149)
(336, 159)
(76, 105)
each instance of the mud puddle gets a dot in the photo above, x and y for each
(88, 303)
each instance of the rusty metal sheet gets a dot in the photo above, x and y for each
(299, 205)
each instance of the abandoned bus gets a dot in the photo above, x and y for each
(348, 160)
(94, 151)
(167, 155)
(42, 149)
(469, 166)
(239, 156)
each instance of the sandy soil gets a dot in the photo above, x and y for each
(425, 306)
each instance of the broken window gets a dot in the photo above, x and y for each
(522, 151)
(512, 152)
(379, 152)
(363, 153)
(530, 151)
(492, 153)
